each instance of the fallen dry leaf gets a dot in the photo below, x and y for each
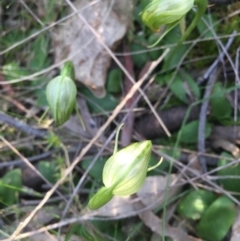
(74, 38)
(151, 194)
(236, 229)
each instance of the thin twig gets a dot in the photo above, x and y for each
(204, 107)
(127, 129)
(19, 125)
(220, 57)
(18, 162)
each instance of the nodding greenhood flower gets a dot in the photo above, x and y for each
(124, 172)
(169, 12)
(61, 95)
(165, 12)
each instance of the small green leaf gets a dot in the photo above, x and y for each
(41, 97)
(178, 89)
(217, 219)
(114, 81)
(195, 203)
(96, 170)
(40, 51)
(139, 59)
(107, 103)
(48, 170)
(9, 187)
(172, 38)
(194, 88)
(205, 21)
(221, 108)
(229, 184)
(189, 132)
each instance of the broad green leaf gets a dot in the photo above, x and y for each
(96, 170)
(40, 51)
(189, 132)
(12, 37)
(178, 87)
(221, 108)
(195, 203)
(217, 219)
(50, 13)
(9, 187)
(229, 184)
(140, 44)
(201, 25)
(48, 170)
(114, 80)
(172, 38)
(107, 103)
(41, 97)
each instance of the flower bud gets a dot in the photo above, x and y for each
(124, 173)
(126, 170)
(165, 12)
(61, 95)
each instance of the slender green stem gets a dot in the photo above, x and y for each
(80, 118)
(201, 8)
(155, 166)
(116, 139)
(68, 70)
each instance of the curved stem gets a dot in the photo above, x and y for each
(155, 166)
(116, 139)
(201, 8)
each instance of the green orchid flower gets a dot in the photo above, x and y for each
(124, 172)
(169, 13)
(61, 93)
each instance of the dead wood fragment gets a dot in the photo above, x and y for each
(128, 126)
(225, 137)
(225, 145)
(19, 125)
(149, 128)
(156, 224)
(229, 133)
